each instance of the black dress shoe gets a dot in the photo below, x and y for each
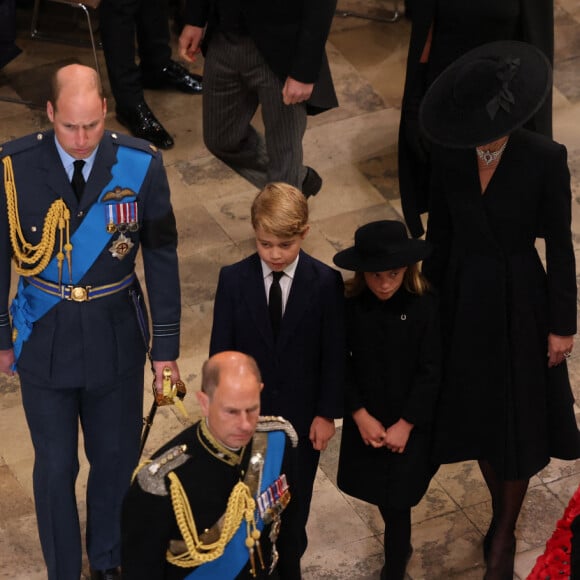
(142, 123)
(312, 183)
(175, 76)
(110, 574)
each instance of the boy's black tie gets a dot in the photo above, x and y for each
(78, 180)
(275, 302)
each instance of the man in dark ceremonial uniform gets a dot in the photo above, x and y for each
(76, 203)
(215, 502)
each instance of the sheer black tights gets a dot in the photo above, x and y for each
(506, 500)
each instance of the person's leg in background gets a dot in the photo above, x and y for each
(118, 27)
(158, 70)
(228, 107)
(8, 48)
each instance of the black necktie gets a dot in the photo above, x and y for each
(275, 302)
(78, 181)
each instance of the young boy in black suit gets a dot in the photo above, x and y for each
(286, 309)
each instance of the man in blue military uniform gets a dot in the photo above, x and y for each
(215, 503)
(76, 203)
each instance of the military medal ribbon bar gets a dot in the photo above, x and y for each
(273, 500)
(121, 217)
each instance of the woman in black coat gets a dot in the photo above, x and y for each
(508, 323)
(394, 361)
(442, 31)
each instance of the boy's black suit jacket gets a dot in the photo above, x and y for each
(303, 371)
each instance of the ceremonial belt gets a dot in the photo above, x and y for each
(235, 556)
(32, 303)
(81, 293)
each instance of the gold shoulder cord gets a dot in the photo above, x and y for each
(241, 506)
(139, 467)
(31, 259)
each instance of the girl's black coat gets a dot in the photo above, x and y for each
(394, 365)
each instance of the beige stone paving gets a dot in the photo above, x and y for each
(354, 149)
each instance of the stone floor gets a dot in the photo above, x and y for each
(353, 148)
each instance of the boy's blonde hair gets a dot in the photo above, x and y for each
(413, 281)
(280, 210)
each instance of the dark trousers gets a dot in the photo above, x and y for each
(111, 419)
(237, 80)
(8, 48)
(120, 22)
(307, 459)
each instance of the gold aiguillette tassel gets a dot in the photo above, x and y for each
(68, 246)
(250, 543)
(60, 255)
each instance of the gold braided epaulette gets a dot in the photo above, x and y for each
(151, 474)
(274, 423)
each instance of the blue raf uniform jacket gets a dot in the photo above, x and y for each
(91, 343)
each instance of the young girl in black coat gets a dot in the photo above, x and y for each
(393, 378)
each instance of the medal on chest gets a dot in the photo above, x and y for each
(121, 247)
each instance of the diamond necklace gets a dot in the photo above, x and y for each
(487, 156)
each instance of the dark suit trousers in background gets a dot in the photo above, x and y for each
(120, 22)
(111, 419)
(8, 48)
(236, 81)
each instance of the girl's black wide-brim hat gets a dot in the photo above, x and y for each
(382, 245)
(486, 94)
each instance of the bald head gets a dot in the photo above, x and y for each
(230, 397)
(224, 365)
(77, 110)
(74, 79)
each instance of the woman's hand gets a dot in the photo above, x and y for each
(559, 349)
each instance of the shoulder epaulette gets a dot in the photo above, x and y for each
(151, 476)
(273, 423)
(132, 142)
(22, 144)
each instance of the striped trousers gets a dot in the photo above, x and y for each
(236, 81)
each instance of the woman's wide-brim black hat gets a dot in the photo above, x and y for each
(382, 245)
(486, 94)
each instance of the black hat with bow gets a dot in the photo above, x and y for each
(486, 94)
